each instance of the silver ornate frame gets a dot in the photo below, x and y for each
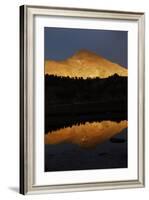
(27, 14)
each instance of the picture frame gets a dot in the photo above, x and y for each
(30, 25)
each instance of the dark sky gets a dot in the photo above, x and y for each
(61, 43)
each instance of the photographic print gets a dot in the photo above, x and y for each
(85, 75)
(81, 99)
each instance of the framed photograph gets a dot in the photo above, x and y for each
(81, 99)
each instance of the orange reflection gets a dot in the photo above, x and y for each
(86, 135)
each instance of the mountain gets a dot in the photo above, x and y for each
(84, 64)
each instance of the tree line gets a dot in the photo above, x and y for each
(70, 90)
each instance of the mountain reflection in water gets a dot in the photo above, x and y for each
(86, 135)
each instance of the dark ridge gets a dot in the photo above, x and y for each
(70, 101)
(55, 77)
